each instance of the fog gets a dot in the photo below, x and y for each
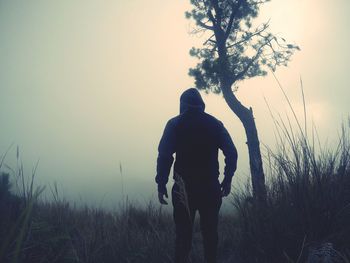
(86, 87)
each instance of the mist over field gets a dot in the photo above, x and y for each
(86, 87)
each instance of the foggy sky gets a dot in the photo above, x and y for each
(87, 85)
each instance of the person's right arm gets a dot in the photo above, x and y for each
(231, 156)
(165, 159)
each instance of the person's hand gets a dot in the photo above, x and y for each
(162, 192)
(226, 187)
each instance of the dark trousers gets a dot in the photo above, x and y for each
(207, 202)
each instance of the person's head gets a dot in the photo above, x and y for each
(191, 99)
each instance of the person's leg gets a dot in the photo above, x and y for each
(209, 215)
(184, 219)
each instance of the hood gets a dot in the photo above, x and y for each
(191, 100)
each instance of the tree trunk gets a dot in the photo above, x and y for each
(246, 117)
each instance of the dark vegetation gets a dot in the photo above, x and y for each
(308, 205)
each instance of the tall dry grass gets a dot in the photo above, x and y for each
(308, 197)
(308, 204)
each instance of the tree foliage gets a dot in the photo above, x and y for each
(246, 50)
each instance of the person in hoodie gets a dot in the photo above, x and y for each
(195, 138)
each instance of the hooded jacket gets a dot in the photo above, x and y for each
(195, 137)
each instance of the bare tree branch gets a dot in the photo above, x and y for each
(218, 12)
(210, 40)
(245, 70)
(200, 23)
(232, 17)
(211, 17)
(265, 26)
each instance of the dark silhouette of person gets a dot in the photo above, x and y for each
(195, 137)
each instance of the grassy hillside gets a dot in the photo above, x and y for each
(307, 213)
